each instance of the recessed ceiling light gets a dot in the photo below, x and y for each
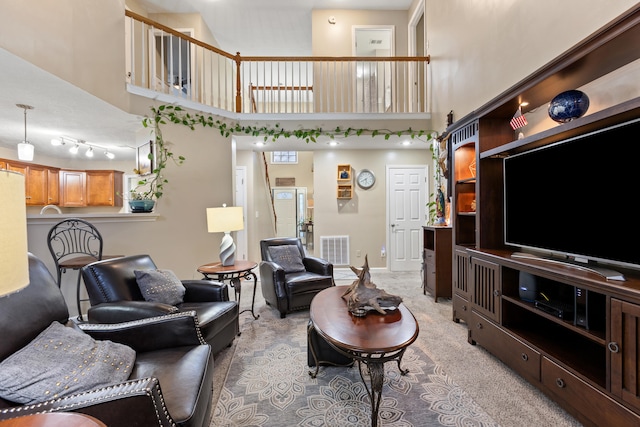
(333, 143)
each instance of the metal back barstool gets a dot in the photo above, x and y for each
(74, 243)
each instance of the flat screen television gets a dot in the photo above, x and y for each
(575, 199)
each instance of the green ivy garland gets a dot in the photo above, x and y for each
(153, 185)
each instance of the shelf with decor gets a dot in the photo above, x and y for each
(345, 181)
(531, 183)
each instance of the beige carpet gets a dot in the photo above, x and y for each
(502, 394)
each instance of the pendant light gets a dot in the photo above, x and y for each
(25, 149)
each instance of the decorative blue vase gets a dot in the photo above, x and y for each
(568, 106)
(141, 206)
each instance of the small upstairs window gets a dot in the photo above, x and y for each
(284, 157)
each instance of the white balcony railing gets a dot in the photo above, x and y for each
(167, 61)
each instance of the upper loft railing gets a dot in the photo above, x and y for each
(164, 60)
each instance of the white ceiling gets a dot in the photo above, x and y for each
(265, 27)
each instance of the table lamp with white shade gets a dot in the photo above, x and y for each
(225, 220)
(14, 262)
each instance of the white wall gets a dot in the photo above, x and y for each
(480, 48)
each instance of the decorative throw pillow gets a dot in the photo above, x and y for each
(160, 286)
(288, 256)
(62, 361)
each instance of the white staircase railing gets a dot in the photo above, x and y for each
(164, 60)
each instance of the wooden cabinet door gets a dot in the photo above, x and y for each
(461, 272)
(37, 185)
(103, 187)
(73, 188)
(486, 288)
(625, 352)
(35, 182)
(53, 186)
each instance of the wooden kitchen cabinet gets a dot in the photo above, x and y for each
(36, 184)
(53, 186)
(104, 187)
(73, 188)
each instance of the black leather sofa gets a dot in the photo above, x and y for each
(170, 383)
(115, 297)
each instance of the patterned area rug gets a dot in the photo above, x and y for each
(268, 384)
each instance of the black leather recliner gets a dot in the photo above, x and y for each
(115, 297)
(289, 289)
(170, 383)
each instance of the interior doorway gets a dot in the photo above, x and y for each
(418, 46)
(290, 205)
(172, 61)
(374, 80)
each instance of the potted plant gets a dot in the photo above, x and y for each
(150, 187)
(141, 201)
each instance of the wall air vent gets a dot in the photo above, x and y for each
(335, 249)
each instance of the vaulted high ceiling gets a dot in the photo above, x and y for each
(265, 27)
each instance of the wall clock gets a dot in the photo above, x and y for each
(366, 179)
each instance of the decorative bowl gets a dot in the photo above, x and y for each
(568, 106)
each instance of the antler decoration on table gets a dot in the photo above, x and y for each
(363, 295)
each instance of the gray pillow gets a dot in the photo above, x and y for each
(62, 361)
(288, 256)
(160, 286)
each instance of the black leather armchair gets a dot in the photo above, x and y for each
(171, 380)
(115, 297)
(289, 279)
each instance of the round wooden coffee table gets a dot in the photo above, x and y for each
(371, 340)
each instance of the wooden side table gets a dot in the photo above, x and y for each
(234, 274)
(53, 419)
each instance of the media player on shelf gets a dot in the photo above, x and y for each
(556, 308)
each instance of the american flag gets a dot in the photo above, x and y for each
(518, 120)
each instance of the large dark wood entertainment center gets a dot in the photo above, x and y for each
(592, 371)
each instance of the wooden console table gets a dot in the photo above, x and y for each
(372, 340)
(234, 274)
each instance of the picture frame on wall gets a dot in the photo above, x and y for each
(145, 158)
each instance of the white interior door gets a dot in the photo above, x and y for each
(407, 209)
(284, 202)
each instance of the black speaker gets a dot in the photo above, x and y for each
(590, 309)
(528, 286)
(581, 307)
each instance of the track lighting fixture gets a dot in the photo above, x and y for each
(77, 143)
(25, 148)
